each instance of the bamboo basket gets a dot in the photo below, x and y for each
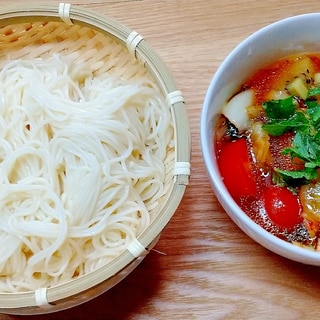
(30, 32)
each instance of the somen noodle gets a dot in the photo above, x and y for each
(82, 165)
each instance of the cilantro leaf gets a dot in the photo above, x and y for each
(279, 109)
(311, 103)
(305, 147)
(298, 176)
(278, 127)
(303, 120)
(314, 115)
(315, 91)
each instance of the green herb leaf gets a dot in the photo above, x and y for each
(310, 103)
(278, 127)
(305, 147)
(280, 109)
(297, 176)
(314, 115)
(304, 121)
(314, 91)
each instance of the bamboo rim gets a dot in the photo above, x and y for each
(13, 302)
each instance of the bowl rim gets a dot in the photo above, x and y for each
(246, 224)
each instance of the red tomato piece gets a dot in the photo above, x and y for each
(282, 207)
(236, 169)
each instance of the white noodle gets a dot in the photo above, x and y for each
(82, 164)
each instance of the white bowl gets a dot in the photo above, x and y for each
(282, 38)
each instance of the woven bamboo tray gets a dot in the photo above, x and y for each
(40, 31)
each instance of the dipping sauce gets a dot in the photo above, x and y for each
(268, 148)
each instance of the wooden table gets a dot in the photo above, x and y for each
(203, 267)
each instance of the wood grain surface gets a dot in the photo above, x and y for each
(203, 266)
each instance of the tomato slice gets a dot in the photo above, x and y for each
(236, 169)
(282, 207)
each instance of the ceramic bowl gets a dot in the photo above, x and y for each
(277, 40)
